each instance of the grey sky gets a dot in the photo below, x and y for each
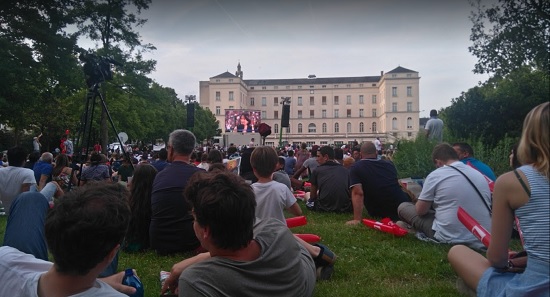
(198, 39)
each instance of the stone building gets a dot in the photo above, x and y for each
(329, 110)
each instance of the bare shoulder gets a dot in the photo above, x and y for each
(509, 188)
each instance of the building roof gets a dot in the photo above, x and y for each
(226, 74)
(402, 70)
(318, 80)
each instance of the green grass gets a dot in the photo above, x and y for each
(370, 263)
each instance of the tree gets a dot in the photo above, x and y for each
(497, 108)
(519, 36)
(37, 63)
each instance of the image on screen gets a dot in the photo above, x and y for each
(242, 120)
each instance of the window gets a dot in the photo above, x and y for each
(394, 124)
(288, 87)
(348, 113)
(336, 86)
(218, 110)
(300, 128)
(409, 91)
(276, 114)
(252, 88)
(336, 115)
(299, 114)
(361, 112)
(409, 134)
(231, 107)
(361, 127)
(299, 101)
(312, 101)
(394, 107)
(324, 126)
(361, 99)
(373, 99)
(276, 128)
(394, 75)
(409, 75)
(324, 113)
(299, 87)
(264, 101)
(218, 98)
(231, 97)
(275, 101)
(373, 127)
(409, 123)
(348, 99)
(287, 130)
(311, 128)
(348, 127)
(264, 114)
(374, 112)
(324, 100)
(324, 86)
(263, 88)
(276, 87)
(394, 91)
(336, 100)
(230, 80)
(409, 106)
(217, 80)
(252, 101)
(336, 128)
(312, 114)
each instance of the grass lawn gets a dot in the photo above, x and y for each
(370, 263)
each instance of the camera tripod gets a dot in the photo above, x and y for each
(85, 130)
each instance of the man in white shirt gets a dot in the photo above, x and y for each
(15, 179)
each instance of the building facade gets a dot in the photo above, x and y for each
(336, 110)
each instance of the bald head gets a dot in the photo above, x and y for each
(368, 149)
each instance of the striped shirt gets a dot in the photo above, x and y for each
(534, 216)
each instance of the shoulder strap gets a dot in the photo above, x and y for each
(475, 188)
(522, 183)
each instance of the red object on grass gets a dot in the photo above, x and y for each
(296, 221)
(473, 225)
(385, 226)
(307, 184)
(299, 194)
(309, 238)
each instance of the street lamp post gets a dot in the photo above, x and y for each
(285, 101)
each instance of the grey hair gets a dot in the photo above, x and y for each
(182, 141)
(46, 157)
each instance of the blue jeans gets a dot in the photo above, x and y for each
(25, 226)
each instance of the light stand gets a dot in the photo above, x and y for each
(286, 101)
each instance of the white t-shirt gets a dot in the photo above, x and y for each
(271, 199)
(378, 145)
(448, 189)
(20, 273)
(11, 180)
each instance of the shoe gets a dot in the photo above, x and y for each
(310, 204)
(462, 288)
(325, 258)
(325, 272)
(406, 226)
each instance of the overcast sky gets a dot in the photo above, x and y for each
(199, 39)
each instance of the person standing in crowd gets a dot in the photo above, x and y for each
(36, 143)
(378, 146)
(434, 127)
(525, 193)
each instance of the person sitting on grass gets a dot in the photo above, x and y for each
(247, 257)
(524, 192)
(72, 230)
(272, 198)
(280, 175)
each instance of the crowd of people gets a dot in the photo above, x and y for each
(181, 199)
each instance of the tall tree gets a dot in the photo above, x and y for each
(112, 23)
(36, 61)
(519, 35)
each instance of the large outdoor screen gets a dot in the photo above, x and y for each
(242, 120)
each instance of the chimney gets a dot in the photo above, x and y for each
(382, 73)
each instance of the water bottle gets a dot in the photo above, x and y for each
(130, 279)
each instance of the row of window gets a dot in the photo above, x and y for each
(312, 128)
(335, 114)
(336, 99)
